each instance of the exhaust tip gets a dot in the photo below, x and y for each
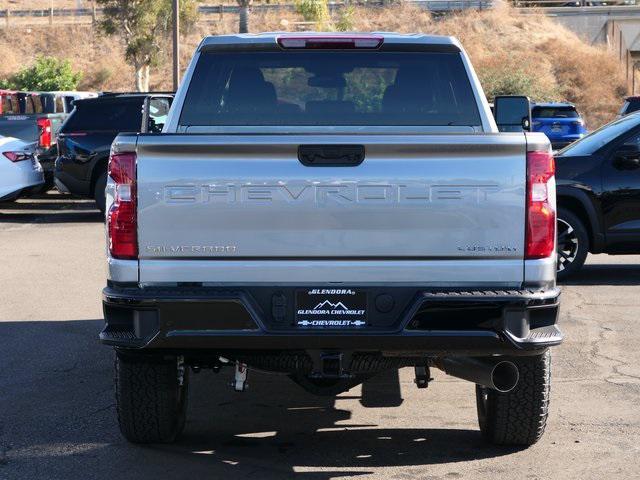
(505, 376)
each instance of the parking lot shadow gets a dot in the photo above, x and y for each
(58, 420)
(606, 274)
(50, 207)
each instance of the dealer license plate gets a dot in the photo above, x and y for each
(331, 308)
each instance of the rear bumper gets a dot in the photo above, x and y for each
(422, 321)
(47, 161)
(20, 181)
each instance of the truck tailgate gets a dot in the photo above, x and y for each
(437, 209)
(23, 127)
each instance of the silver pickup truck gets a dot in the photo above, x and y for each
(329, 207)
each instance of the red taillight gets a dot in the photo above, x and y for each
(44, 127)
(17, 156)
(331, 41)
(540, 237)
(122, 220)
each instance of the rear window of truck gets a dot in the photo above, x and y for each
(324, 88)
(554, 112)
(21, 103)
(100, 115)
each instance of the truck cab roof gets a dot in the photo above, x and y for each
(388, 40)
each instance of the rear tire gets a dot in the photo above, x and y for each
(151, 403)
(517, 417)
(99, 191)
(573, 244)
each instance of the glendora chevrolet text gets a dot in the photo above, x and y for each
(329, 207)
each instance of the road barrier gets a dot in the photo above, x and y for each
(89, 15)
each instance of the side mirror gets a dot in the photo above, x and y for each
(627, 157)
(628, 149)
(512, 113)
(154, 113)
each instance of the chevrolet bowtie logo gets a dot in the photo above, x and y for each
(331, 323)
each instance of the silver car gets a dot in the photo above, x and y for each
(19, 169)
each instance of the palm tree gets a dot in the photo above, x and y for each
(244, 15)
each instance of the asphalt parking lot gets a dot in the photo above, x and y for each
(57, 415)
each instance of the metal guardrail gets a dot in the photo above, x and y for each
(232, 8)
(572, 3)
(433, 5)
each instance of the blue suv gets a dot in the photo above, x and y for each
(561, 122)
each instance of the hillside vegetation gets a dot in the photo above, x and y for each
(512, 53)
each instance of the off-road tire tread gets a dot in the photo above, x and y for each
(519, 417)
(147, 400)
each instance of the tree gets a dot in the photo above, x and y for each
(144, 26)
(46, 74)
(245, 5)
(314, 11)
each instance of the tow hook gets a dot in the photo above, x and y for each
(423, 376)
(239, 383)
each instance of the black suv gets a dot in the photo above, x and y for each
(598, 188)
(85, 138)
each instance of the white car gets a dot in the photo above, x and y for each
(19, 169)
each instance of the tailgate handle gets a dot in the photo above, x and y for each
(331, 155)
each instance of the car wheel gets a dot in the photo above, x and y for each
(151, 397)
(99, 191)
(573, 244)
(517, 417)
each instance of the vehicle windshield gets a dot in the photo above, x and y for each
(600, 137)
(317, 88)
(554, 112)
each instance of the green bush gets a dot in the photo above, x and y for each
(314, 11)
(507, 80)
(346, 19)
(47, 73)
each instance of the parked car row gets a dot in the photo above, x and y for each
(75, 128)
(84, 141)
(36, 117)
